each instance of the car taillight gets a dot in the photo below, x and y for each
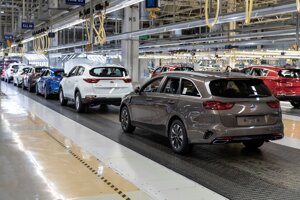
(217, 105)
(273, 104)
(127, 80)
(91, 80)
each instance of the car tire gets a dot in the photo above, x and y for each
(61, 97)
(178, 138)
(79, 106)
(23, 85)
(29, 87)
(295, 104)
(36, 90)
(253, 144)
(126, 120)
(46, 95)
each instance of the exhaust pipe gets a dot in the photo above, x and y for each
(220, 141)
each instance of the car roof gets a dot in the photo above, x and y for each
(205, 74)
(266, 67)
(56, 69)
(99, 65)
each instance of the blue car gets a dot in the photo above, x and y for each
(48, 83)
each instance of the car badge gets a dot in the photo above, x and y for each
(111, 82)
(253, 106)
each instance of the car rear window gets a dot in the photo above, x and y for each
(289, 73)
(239, 88)
(59, 73)
(108, 72)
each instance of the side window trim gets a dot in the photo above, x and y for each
(151, 81)
(73, 71)
(165, 82)
(200, 95)
(79, 68)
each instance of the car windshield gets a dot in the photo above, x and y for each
(108, 72)
(183, 69)
(39, 69)
(290, 73)
(59, 73)
(239, 88)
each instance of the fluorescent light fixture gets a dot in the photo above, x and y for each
(2, 11)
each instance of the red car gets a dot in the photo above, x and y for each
(284, 83)
(171, 67)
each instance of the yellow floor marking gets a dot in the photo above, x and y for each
(292, 128)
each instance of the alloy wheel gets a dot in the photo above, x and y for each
(124, 119)
(77, 102)
(176, 136)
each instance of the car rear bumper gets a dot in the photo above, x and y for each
(102, 100)
(221, 135)
(288, 97)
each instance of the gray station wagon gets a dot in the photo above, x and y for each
(204, 108)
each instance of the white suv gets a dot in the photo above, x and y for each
(9, 72)
(19, 74)
(94, 85)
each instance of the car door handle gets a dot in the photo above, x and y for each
(148, 99)
(171, 102)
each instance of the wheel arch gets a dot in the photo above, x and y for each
(173, 118)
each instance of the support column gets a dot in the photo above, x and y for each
(232, 26)
(130, 47)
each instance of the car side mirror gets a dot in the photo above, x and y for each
(137, 90)
(65, 75)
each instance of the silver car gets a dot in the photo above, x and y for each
(204, 108)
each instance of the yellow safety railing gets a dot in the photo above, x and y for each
(41, 44)
(248, 12)
(100, 33)
(298, 5)
(210, 25)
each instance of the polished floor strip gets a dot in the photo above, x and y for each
(68, 171)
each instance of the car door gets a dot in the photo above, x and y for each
(41, 80)
(190, 107)
(164, 104)
(141, 105)
(70, 82)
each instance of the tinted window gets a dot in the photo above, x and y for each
(108, 72)
(165, 69)
(188, 88)
(152, 86)
(247, 71)
(73, 71)
(243, 88)
(38, 70)
(26, 70)
(157, 69)
(290, 73)
(59, 73)
(183, 69)
(80, 71)
(259, 72)
(171, 86)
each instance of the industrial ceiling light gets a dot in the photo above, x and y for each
(2, 12)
